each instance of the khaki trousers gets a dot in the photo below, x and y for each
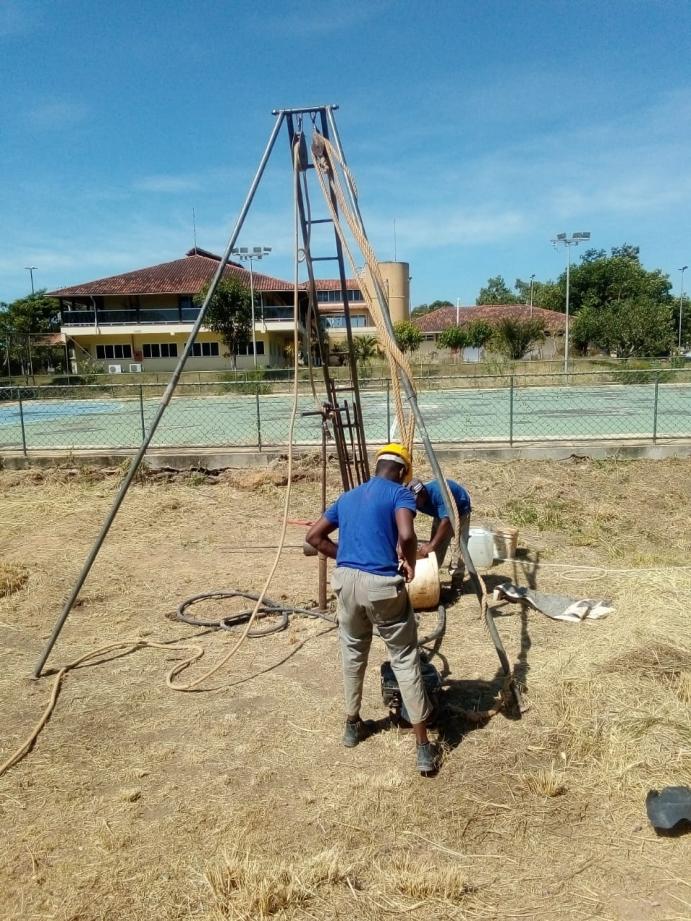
(365, 601)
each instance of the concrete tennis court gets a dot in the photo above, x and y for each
(605, 411)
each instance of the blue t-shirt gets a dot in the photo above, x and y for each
(435, 505)
(366, 521)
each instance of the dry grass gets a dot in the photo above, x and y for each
(545, 782)
(137, 803)
(13, 578)
(245, 886)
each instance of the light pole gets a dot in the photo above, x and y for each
(681, 301)
(247, 254)
(532, 279)
(31, 269)
(564, 240)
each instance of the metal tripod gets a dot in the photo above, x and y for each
(347, 427)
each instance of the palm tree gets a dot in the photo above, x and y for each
(366, 348)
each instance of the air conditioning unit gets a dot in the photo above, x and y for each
(114, 369)
(136, 366)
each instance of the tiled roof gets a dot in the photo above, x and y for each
(444, 317)
(182, 276)
(334, 284)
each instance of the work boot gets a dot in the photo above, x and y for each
(357, 731)
(428, 756)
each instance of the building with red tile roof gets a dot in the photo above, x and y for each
(434, 323)
(140, 320)
(438, 320)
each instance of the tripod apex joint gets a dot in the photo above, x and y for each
(306, 111)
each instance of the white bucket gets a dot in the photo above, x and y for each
(481, 547)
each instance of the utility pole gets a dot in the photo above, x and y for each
(31, 269)
(562, 239)
(532, 279)
(681, 301)
(245, 254)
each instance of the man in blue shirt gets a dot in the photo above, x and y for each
(373, 520)
(429, 500)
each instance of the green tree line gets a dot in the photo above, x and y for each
(615, 303)
(22, 324)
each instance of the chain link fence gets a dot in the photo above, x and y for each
(641, 405)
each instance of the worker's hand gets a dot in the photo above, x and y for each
(407, 570)
(423, 551)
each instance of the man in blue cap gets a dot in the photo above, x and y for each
(429, 500)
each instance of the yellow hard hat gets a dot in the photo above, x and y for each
(397, 452)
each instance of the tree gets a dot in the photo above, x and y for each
(546, 294)
(479, 333)
(366, 348)
(454, 338)
(600, 280)
(23, 321)
(625, 308)
(229, 314)
(422, 309)
(631, 328)
(513, 338)
(497, 292)
(408, 336)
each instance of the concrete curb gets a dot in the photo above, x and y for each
(218, 458)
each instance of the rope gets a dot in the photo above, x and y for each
(325, 154)
(197, 653)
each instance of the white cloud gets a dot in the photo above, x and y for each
(57, 114)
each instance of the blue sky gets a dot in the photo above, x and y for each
(483, 127)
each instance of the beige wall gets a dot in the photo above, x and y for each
(273, 351)
(396, 277)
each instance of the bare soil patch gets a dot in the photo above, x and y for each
(240, 803)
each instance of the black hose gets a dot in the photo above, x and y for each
(268, 608)
(439, 630)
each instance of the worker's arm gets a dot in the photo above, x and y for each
(318, 537)
(444, 531)
(407, 541)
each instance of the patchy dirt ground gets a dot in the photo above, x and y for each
(141, 803)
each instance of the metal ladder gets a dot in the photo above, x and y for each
(343, 417)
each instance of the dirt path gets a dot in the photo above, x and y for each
(139, 803)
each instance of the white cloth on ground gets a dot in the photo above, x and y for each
(558, 607)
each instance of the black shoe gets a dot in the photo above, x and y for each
(428, 757)
(357, 731)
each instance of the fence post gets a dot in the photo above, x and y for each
(655, 401)
(21, 420)
(141, 410)
(511, 410)
(259, 418)
(388, 409)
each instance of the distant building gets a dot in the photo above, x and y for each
(434, 323)
(140, 320)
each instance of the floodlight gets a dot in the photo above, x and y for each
(568, 242)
